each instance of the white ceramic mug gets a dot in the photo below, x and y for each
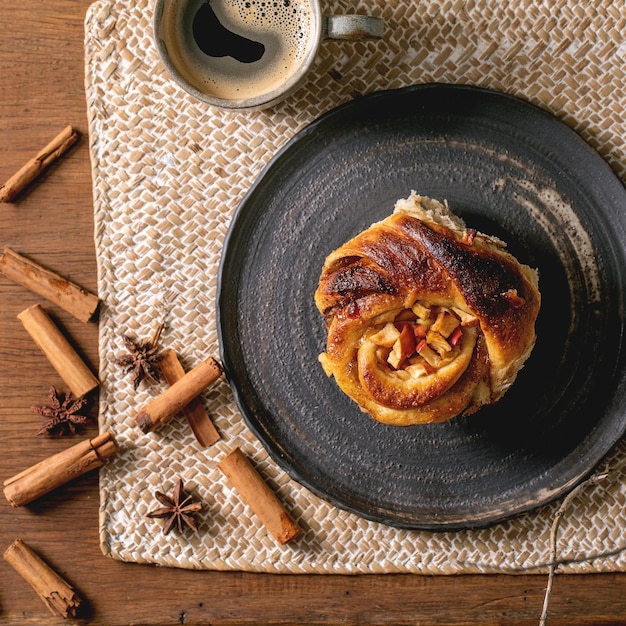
(248, 54)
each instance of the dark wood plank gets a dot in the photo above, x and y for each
(41, 64)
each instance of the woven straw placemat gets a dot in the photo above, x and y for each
(168, 173)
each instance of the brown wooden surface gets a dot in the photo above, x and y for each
(41, 90)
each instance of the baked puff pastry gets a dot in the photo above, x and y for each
(426, 319)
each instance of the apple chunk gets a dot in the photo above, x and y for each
(386, 336)
(403, 348)
(445, 323)
(428, 354)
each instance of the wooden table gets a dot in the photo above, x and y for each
(41, 70)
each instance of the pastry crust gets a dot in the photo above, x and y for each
(426, 319)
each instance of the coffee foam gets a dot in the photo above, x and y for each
(284, 27)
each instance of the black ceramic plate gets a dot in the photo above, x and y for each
(509, 169)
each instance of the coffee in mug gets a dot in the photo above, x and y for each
(244, 53)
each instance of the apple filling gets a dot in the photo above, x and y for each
(421, 339)
(417, 355)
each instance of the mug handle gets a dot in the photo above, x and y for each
(352, 27)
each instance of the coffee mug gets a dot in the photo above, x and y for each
(248, 54)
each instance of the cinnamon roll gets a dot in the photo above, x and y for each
(426, 319)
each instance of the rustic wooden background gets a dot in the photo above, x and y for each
(41, 91)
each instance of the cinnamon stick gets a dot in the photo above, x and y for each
(178, 396)
(69, 296)
(58, 469)
(58, 350)
(35, 166)
(196, 415)
(56, 593)
(258, 496)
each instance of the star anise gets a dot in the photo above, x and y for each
(178, 509)
(142, 359)
(63, 417)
